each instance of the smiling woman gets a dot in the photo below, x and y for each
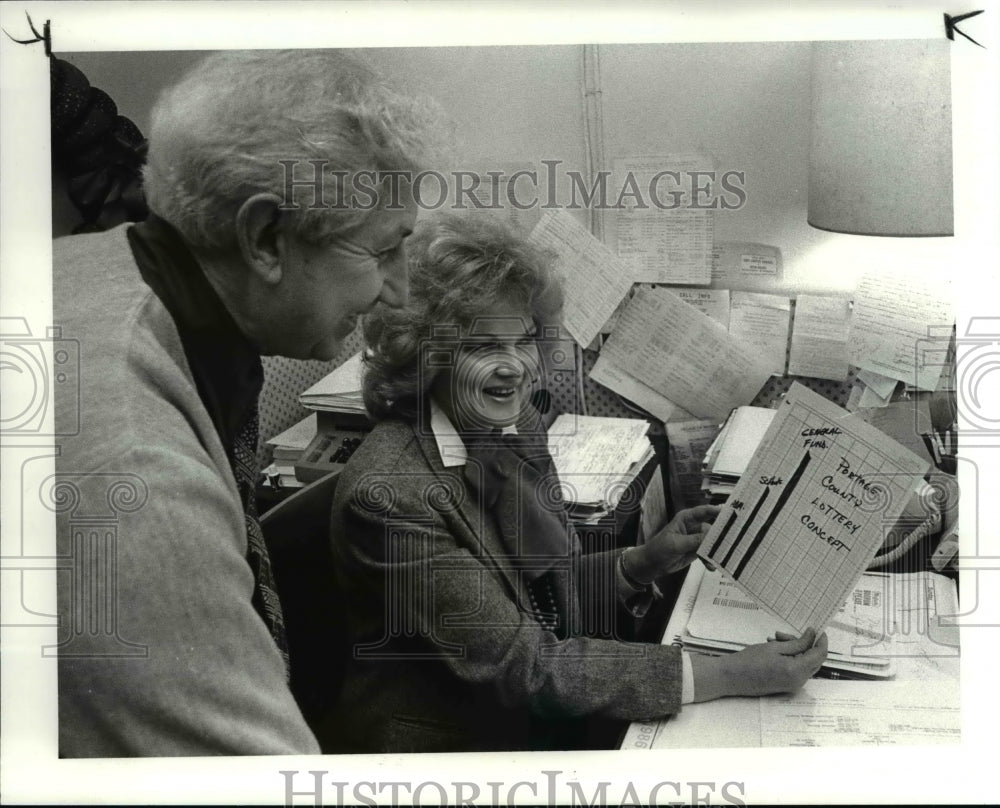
(467, 601)
(475, 289)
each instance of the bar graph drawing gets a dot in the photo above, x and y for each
(812, 508)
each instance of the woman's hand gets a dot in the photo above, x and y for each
(777, 666)
(674, 547)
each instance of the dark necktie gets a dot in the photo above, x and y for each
(516, 481)
(265, 594)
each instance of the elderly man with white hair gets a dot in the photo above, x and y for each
(173, 639)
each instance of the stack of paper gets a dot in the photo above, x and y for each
(727, 619)
(340, 391)
(731, 451)
(597, 459)
(288, 446)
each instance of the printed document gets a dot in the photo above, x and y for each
(761, 322)
(819, 337)
(628, 386)
(596, 280)
(744, 265)
(684, 355)
(712, 302)
(894, 313)
(671, 243)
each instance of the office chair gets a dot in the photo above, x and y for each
(297, 532)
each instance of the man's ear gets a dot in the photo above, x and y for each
(258, 233)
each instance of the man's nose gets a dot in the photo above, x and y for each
(396, 286)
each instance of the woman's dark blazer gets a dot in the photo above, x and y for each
(444, 654)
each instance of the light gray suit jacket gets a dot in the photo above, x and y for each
(445, 655)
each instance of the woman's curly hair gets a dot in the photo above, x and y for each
(461, 267)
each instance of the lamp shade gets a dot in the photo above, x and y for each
(880, 150)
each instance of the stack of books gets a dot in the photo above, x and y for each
(730, 452)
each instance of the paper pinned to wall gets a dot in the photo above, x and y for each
(677, 351)
(712, 302)
(501, 191)
(810, 512)
(819, 337)
(628, 386)
(743, 264)
(668, 237)
(596, 279)
(893, 313)
(761, 321)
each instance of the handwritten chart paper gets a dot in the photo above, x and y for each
(595, 279)
(667, 237)
(811, 510)
(893, 311)
(684, 355)
(819, 337)
(762, 321)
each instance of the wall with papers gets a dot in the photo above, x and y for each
(737, 107)
(744, 104)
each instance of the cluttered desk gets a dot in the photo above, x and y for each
(899, 623)
(798, 559)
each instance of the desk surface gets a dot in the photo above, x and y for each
(825, 712)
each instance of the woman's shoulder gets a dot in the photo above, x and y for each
(390, 456)
(390, 445)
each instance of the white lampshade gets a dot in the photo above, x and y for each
(880, 154)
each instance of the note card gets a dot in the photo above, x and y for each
(893, 311)
(744, 265)
(812, 508)
(681, 353)
(595, 278)
(668, 233)
(819, 337)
